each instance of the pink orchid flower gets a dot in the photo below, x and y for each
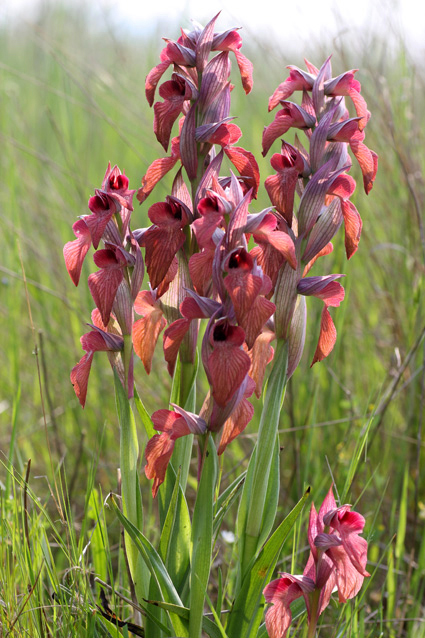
(147, 329)
(165, 237)
(247, 287)
(225, 361)
(115, 184)
(74, 252)
(103, 207)
(158, 169)
(173, 425)
(100, 339)
(338, 557)
(104, 284)
(281, 593)
(289, 166)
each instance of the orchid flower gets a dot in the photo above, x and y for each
(338, 557)
(321, 179)
(199, 89)
(99, 339)
(173, 424)
(115, 286)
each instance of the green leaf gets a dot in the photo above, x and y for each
(98, 537)
(226, 500)
(144, 416)
(207, 625)
(251, 512)
(157, 570)
(402, 519)
(130, 489)
(247, 610)
(175, 542)
(272, 496)
(238, 482)
(154, 623)
(216, 617)
(355, 459)
(202, 538)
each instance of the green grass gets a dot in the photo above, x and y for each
(73, 99)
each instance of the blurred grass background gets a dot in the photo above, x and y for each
(72, 99)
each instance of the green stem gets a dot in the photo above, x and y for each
(314, 608)
(203, 447)
(126, 356)
(187, 397)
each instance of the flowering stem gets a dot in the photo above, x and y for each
(126, 356)
(199, 173)
(203, 447)
(187, 386)
(313, 613)
(185, 396)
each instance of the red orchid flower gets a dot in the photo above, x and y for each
(115, 184)
(274, 245)
(331, 293)
(324, 88)
(192, 50)
(165, 237)
(158, 169)
(103, 284)
(103, 207)
(175, 94)
(212, 210)
(281, 593)
(247, 287)
(192, 307)
(346, 549)
(147, 329)
(289, 165)
(298, 80)
(346, 84)
(226, 134)
(337, 558)
(98, 340)
(225, 361)
(232, 41)
(240, 415)
(74, 252)
(260, 354)
(173, 425)
(291, 115)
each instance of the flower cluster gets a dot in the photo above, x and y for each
(206, 255)
(199, 89)
(338, 557)
(115, 286)
(320, 177)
